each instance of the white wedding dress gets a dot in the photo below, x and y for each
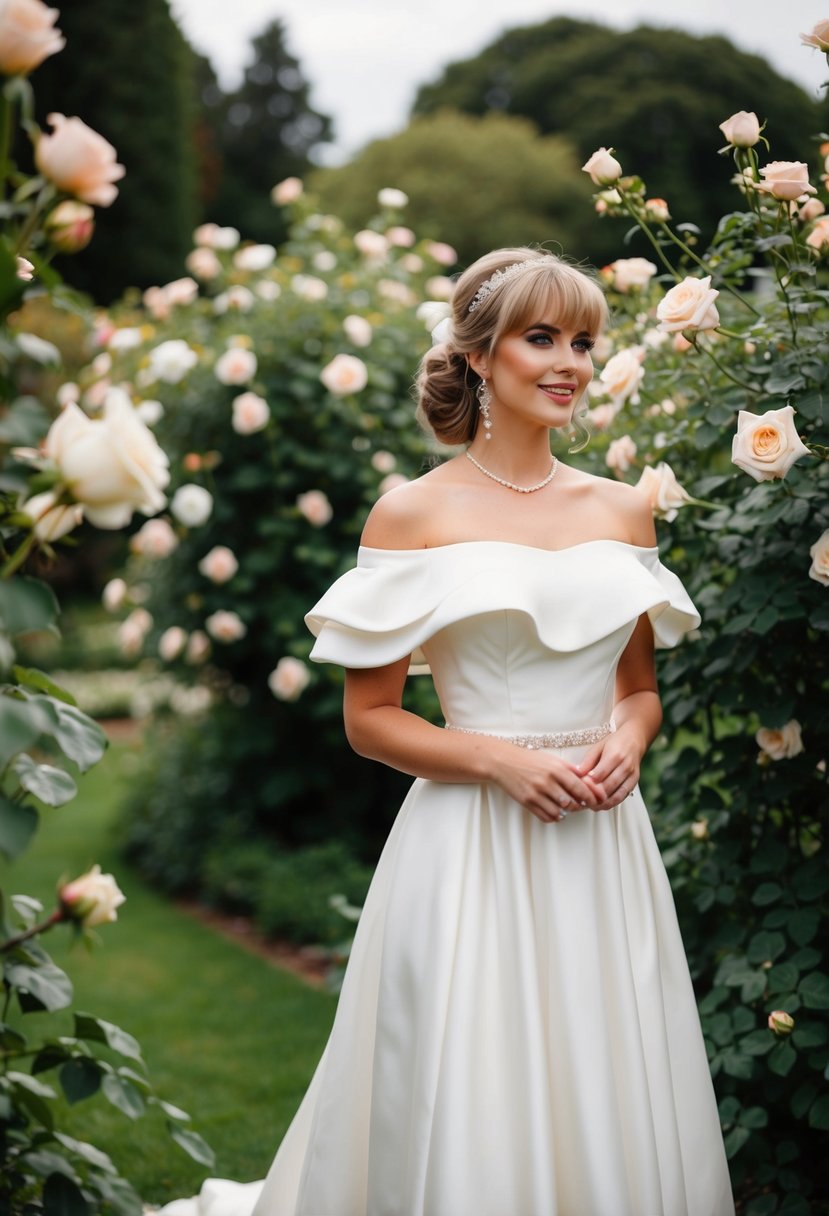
(517, 1033)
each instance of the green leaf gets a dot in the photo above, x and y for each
(123, 1095)
(757, 1043)
(87, 1151)
(43, 986)
(734, 1141)
(173, 1112)
(802, 1099)
(803, 925)
(764, 946)
(809, 1034)
(96, 1030)
(78, 735)
(62, 1197)
(26, 605)
(50, 1056)
(796, 1204)
(34, 1095)
(18, 824)
(782, 1059)
(11, 1039)
(51, 785)
(21, 724)
(753, 1117)
(80, 1078)
(27, 908)
(783, 978)
(819, 1114)
(762, 1205)
(814, 990)
(44, 1163)
(736, 1064)
(193, 1144)
(31, 677)
(811, 881)
(766, 893)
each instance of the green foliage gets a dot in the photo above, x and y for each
(479, 183)
(656, 95)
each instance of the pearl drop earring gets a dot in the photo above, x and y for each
(484, 398)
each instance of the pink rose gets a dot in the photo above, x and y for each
(114, 594)
(132, 631)
(25, 269)
(383, 462)
(316, 508)
(287, 191)
(818, 238)
(219, 565)
(70, 226)
(225, 626)
(767, 445)
(171, 643)
(689, 305)
(785, 180)
(27, 36)
(620, 454)
(601, 417)
(345, 374)
(810, 210)
(91, 899)
(400, 236)
(181, 291)
(155, 538)
(819, 552)
(440, 252)
(236, 366)
(603, 167)
(742, 130)
(289, 679)
(198, 647)
(203, 263)
(250, 414)
(79, 161)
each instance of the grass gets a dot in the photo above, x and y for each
(225, 1035)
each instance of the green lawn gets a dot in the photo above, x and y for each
(228, 1037)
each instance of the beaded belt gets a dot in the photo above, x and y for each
(561, 738)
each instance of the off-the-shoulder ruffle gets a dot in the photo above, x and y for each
(395, 600)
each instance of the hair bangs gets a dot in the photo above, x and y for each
(554, 291)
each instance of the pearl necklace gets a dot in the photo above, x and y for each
(510, 485)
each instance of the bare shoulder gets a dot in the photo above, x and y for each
(402, 518)
(627, 505)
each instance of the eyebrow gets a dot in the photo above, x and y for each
(554, 329)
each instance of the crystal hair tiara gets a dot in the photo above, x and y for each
(494, 281)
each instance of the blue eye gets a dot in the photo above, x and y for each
(585, 344)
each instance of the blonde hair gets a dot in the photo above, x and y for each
(446, 384)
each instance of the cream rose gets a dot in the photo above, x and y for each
(603, 167)
(289, 679)
(389, 196)
(155, 539)
(689, 305)
(620, 454)
(132, 631)
(24, 269)
(287, 191)
(112, 466)
(198, 647)
(316, 508)
(79, 161)
(114, 594)
(170, 361)
(203, 263)
(785, 180)
(819, 553)
(632, 273)
(371, 244)
(250, 414)
(622, 375)
(345, 374)
(181, 291)
(254, 257)
(50, 518)
(383, 462)
(309, 287)
(818, 238)
(192, 505)
(782, 743)
(237, 298)
(767, 445)
(91, 899)
(235, 366)
(358, 330)
(810, 210)
(742, 130)
(662, 490)
(27, 36)
(225, 626)
(172, 643)
(219, 565)
(819, 37)
(402, 237)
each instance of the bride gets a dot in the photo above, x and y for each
(517, 1033)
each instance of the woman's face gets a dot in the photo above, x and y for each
(541, 372)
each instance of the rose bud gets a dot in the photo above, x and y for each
(781, 1023)
(70, 226)
(91, 899)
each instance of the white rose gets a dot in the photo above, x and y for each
(225, 626)
(124, 339)
(68, 392)
(345, 374)
(235, 366)
(155, 538)
(132, 631)
(237, 298)
(250, 414)
(114, 594)
(38, 349)
(383, 462)
(254, 257)
(819, 37)
(203, 263)
(198, 647)
(603, 167)
(819, 553)
(663, 490)
(289, 679)
(654, 338)
(91, 899)
(412, 263)
(324, 260)
(371, 244)
(192, 505)
(785, 179)
(390, 197)
(309, 287)
(632, 273)
(112, 466)
(171, 643)
(622, 375)
(316, 508)
(226, 238)
(51, 519)
(149, 411)
(767, 445)
(287, 191)
(689, 305)
(171, 361)
(432, 312)
(358, 330)
(205, 235)
(742, 130)
(219, 565)
(783, 743)
(266, 289)
(620, 454)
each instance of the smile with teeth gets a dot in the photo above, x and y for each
(558, 390)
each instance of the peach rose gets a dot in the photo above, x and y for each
(114, 594)
(785, 179)
(782, 743)
(51, 518)
(358, 330)
(689, 305)
(172, 643)
(345, 374)
(767, 445)
(657, 210)
(818, 238)
(219, 565)
(742, 130)
(27, 36)
(91, 899)
(203, 263)
(198, 647)
(287, 191)
(404, 238)
(316, 508)
(810, 210)
(155, 538)
(79, 161)
(632, 273)
(132, 631)
(601, 417)
(780, 1022)
(181, 291)
(663, 491)
(289, 679)
(371, 244)
(603, 167)
(383, 462)
(309, 287)
(819, 37)
(236, 366)
(250, 414)
(620, 454)
(819, 553)
(225, 626)
(622, 375)
(24, 269)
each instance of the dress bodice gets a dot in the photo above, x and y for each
(518, 639)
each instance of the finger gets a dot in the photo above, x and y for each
(590, 759)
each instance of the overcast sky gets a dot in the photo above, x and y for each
(365, 59)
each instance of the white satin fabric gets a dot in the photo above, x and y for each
(517, 1033)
